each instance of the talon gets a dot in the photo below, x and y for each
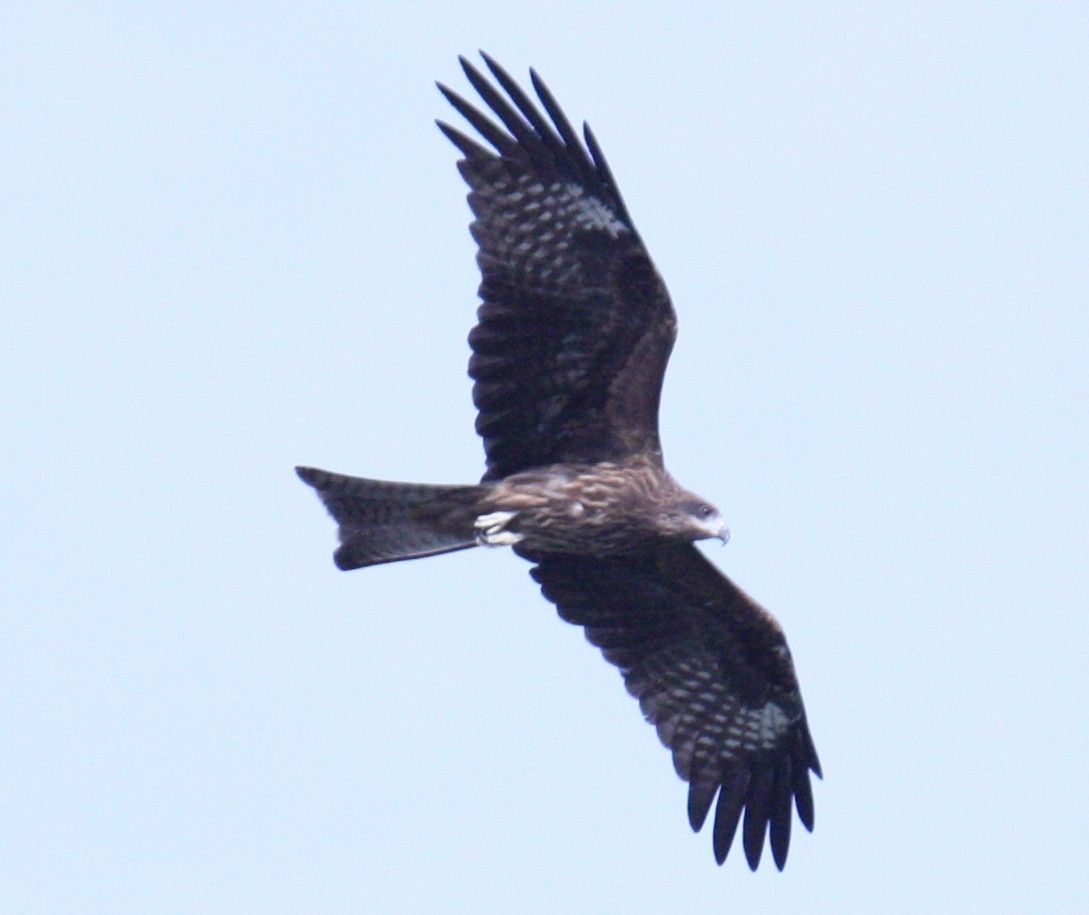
(491, 530)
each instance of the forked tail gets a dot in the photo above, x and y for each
(385, 522)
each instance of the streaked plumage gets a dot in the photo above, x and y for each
(573, 335)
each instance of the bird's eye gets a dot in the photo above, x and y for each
(705, 511)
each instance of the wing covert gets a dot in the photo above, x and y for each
(575, 326)
(712, 671)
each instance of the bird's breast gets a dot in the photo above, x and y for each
(600, 509)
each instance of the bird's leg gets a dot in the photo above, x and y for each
(491, 530)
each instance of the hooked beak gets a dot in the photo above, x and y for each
(723, 534)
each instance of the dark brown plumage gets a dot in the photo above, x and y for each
(573, 335)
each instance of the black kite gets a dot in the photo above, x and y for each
(569, 351)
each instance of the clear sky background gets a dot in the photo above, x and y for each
(231, 241)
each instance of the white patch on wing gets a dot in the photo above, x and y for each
(591, 213)
(528, 225)
(767, 725)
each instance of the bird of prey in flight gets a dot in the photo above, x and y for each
(568, 354)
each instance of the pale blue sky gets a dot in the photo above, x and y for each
(233, 241)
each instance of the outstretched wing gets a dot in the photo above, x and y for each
(576, 326)
(712, 671)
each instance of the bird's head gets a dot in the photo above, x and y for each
(693, 518)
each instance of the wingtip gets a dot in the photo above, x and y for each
(701, 794)
(308, 475)
(728, 812)
(466, 64)
(753, 853)
(757, 815)
(468, 148)
(497, 70)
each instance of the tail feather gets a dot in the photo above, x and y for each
(385, 522)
